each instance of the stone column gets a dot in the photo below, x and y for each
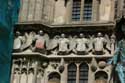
(77, 74)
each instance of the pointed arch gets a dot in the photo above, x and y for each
(72, 68)
(83, 73)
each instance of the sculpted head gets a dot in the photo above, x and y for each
(63, 35)
(99, 34)
(81, 35)
(17, 33)
(41, 32)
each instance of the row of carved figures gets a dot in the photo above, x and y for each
(61, 45)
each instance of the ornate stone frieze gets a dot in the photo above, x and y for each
(65, 44)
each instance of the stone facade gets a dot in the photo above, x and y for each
(49, 47)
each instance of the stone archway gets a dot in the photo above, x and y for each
(54, 77)
(101, 77)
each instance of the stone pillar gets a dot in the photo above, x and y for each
(77, 74)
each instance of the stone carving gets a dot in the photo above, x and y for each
(63, 45)
(17, 42)
(81, 45)
(98, 44)
(41, 41)
(61, 67)
(93, 64)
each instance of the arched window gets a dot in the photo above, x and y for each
(72, 73)
(54, 77)
(83, 73)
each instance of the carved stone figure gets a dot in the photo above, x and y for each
(63, 45)
(98, 44)
(40, 42)
(17, 42)
(81, 45)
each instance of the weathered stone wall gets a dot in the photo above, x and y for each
(60, 11)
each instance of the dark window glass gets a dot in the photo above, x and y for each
(87, 11)
(83, 73)
(76, 10)
(72, 73)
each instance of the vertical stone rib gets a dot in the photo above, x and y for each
(38, 10)
(24, 10)
(31, 10)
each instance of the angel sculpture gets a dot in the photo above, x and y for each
(98, 44)
(63, 45)
(17, 42)
(82, 44)
(41, 42)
